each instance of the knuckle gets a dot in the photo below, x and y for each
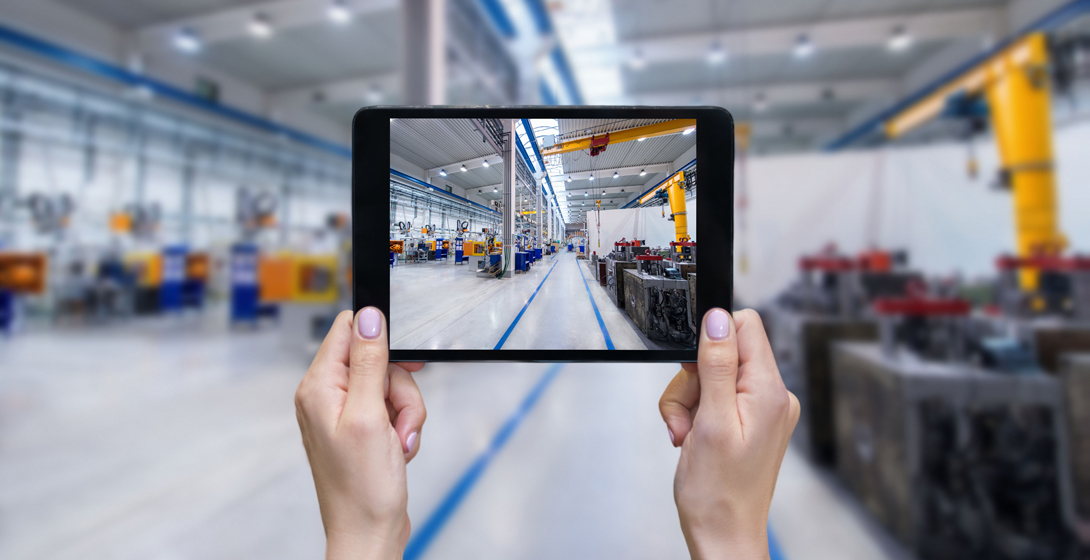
(368, 359)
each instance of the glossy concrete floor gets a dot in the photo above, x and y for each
(440, 305)
(176, 439)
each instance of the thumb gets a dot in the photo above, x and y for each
(717, 364)
(368, 359)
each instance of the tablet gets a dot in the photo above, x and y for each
(543, 233)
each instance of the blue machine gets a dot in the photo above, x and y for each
(537, 254)
(440, 252)
(522, 261)
(393, 258)
(7, 312)
(458, 250)
(244, 292)
(173, 280)
(569, 247)
(493, 260)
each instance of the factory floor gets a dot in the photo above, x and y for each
(557, 304)
(175, 438)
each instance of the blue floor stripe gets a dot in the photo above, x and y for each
(601, 323)
(519, 316)
(435, 522)
(774, 551)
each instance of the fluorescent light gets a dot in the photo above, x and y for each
(442, 172)
(716, 54)
(187, 41)
(463, 167)
(689, 130)
(643, 172)
(641, 139)
(804, 48)
(338, 12)
(259, 27)
(900, 41)
(485, 163)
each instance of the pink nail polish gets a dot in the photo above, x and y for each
(370, 323)
(718, 324)
(409, 442)
(671, 432)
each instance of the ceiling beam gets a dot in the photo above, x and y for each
(832, 34)
(650, 168)
(649, 131)
(232, 23)
(776, 94)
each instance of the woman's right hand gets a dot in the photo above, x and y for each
(733, 418)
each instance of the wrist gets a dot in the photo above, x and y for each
(726, 541)
(359, 546)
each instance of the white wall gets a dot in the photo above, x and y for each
(928, 205)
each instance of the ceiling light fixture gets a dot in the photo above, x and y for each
(260, 27)
(804, 48)
(641, 139)
(463, 168)
(901, 40)
(615, 175)
(716, 54)
(485, 163)
(442, 172)
(689, 130)
(338, 12)
(569, 178)
(495, 190)
(591, 178)
(187, 41)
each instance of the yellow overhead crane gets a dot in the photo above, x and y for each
(674, 187)
(658, 129)
(1015, 84)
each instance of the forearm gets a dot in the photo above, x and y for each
(361, 547)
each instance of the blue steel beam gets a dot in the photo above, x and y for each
(1049, 22)
(420, 183)
(114, 73)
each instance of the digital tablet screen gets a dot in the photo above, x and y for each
(582, 237)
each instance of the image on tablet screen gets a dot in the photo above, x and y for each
(543, 234)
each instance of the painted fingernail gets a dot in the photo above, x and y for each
(718, 324)
(671, 432)
(409, 442)
(370, 323)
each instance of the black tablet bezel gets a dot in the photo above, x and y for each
(371, 216)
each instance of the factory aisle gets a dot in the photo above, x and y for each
(443, 305)
(176, 439)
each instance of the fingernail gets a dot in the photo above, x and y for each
(718, 324)
(409, 442)
(370, 323)
(671, 432)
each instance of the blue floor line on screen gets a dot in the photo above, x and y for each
(519, 316)
(439, 517)
(601, 323)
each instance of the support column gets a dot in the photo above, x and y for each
(509, 166)
(540, 240)
(423, 48)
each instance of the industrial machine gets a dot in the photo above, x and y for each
(952, 437)
(20, 273)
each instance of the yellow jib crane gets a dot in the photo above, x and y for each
(1015, 84)
(674, 187)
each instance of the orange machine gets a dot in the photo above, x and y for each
(23, 273)
(397, 246)
(274, 278)
(196, 266)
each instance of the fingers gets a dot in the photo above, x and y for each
(334, 349)
(677, 403)
(408, 405)
(411, 366)
(717, 363)
(754, 351)
(368, 361)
